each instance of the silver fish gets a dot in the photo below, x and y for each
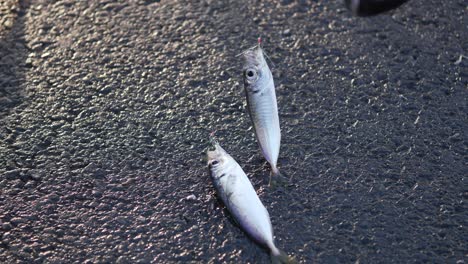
(261, 102)
(240, 198)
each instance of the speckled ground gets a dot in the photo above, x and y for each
(105, 111)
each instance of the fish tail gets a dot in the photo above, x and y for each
(277, 177)
(280, 257)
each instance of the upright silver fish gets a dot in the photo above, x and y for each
(240, 198)
(261, 101)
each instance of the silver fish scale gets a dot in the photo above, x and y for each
(263, 111)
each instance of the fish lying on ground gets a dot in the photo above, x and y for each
(372, 7)
(240, 198)
(263, 109)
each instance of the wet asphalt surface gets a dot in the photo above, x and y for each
(105, 111)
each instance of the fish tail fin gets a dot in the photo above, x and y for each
(277, 177)
(280, 257)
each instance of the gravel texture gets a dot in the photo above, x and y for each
(106, 107)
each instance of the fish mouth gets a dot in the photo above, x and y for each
(211, 155)
(215, 155)
(215, 150)
(253, 57)
(212, 152)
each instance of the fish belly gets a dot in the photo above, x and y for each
(264, 115)
(251, 215)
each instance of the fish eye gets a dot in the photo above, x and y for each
(250, 73)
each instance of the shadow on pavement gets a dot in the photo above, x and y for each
(13, 53)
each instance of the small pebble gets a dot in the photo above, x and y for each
(191, 197)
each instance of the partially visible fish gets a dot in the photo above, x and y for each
(240, 198)
(372, 7)
(261, 102)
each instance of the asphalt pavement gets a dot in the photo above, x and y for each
(106, 108)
